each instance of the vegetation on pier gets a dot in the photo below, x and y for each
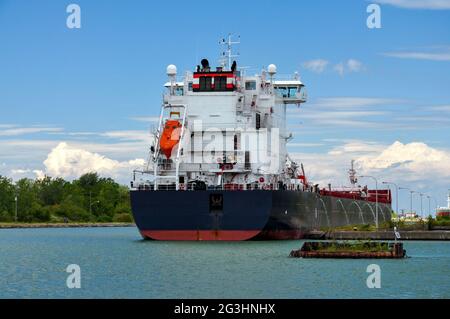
(90, 198)
(350, 249)
(353, 246)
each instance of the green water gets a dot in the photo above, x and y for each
(116, 263)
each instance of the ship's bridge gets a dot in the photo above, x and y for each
(214, 81)
(178, 88)
(290, 91)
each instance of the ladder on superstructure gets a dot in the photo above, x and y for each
(157, 146)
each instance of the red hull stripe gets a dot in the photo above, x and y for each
(209, 235)
(281, 234)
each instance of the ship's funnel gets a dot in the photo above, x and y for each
(205, 65)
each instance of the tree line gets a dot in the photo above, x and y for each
(90, 198)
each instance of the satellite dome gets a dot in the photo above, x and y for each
(272, 69)
(171, 70)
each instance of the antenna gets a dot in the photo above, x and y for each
(448, 199)
(352, 174)
(227, 55)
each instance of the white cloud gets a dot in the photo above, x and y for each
(28, 130)
(305, 144)
(414, 161)
(149, 119)
(418, 4)
(129, 135)
(339, 68)
(20, 171)
(441, 108)
(39, 173)
(311, 114)
(71, 162)
(317, 66)
(354, 65)
(349, 66)
(350, 112)
(353, 102)
(320, 65)
(432, 56)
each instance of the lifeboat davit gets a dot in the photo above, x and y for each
(170, 137)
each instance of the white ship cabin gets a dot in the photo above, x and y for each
(209, 121)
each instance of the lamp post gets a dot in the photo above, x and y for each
(435, 202)
(411, 193)
(92, 203)
(421, 204)
(15, 210)
(396, 194)
(376, 198)
(429, 205)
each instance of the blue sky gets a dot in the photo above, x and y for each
(94, 88)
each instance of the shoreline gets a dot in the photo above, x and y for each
(62, 225)
(431, 235)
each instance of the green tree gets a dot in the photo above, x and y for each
(7, 194)
(51, 191)
(27, 199)
(90, 198)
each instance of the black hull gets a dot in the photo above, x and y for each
(244, 215)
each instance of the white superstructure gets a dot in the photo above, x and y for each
(221, 128)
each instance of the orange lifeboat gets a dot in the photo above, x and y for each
(170, 137)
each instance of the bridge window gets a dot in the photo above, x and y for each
(250, 85)
(179, 91)
(205, 83)
(282, 91)
(220, 83)
(292, 91)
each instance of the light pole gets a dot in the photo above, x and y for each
(15, 210)
(396, 194)
(91, 203)
(429, 205)
(376, 198)
(435, 202)
(421, 204)
(411, 193)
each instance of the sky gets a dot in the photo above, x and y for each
(77, 100)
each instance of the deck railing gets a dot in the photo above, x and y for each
(229, 187)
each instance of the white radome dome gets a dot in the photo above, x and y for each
(272, 69)
(171, 70)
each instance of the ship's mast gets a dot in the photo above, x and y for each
(448, 199)
(352, 174)
(228, 55)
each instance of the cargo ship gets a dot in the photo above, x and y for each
(218, 168)
(444, 212)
